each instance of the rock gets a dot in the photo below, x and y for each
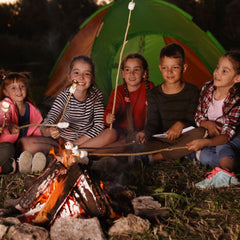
(5, 223)
(146, 206)
(3, 230)
(129, 225)
(68, 228)
(9, 221)
(27, 231)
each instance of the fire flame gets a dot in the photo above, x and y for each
(72, 205)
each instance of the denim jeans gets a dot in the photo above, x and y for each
(211, 155)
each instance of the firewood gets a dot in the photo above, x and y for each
(54, 170)
(59, 195)
(89, 196)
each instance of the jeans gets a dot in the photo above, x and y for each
(211, 155)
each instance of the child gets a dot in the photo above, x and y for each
(130, 109)
(219, 112)
(17, 110)
(83, 111)
(171, 108)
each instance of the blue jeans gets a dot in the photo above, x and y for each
(211, 155)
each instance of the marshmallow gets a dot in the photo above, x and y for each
(73, 88)
(5, 106)
(131, 5)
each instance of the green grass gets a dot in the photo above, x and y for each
(194, 214)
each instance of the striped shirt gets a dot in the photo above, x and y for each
(84, 117)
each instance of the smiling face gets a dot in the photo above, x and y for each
(224, 75)
(172, 69)
(82, 73)
(16, 90)
(133, 73)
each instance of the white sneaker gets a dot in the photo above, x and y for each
(25, 162)
(38, 162)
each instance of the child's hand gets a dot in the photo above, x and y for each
(140, 137)
(197, 144)
(213, 128)
(13, 129)
(175, 130)
(110, 118)
(1, 130)
(54, 133)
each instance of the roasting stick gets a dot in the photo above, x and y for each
(59, 125)
(72, 90)
(131, 6)
(109, 147)
(135, 154)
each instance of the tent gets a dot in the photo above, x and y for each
(153, 24)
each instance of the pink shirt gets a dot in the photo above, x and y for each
(215, 112)
(12, 118)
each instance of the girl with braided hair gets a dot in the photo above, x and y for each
(130, 110)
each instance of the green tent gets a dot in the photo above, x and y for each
(153, 24)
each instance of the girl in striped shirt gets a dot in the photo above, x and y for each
(84, 111)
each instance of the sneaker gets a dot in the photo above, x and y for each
(218, 177)
(9, 167)
(25, 162)
(38, 162)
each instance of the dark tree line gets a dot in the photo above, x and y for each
(220, 17)
(36, 31)
(33, 33)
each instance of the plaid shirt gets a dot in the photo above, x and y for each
(231, 109)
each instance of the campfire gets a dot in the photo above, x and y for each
(64, 189)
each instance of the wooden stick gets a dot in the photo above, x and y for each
(135, 154)
(72, 90)
(4, 121)
(59, 125)
(119, 63)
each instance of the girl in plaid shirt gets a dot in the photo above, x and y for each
(219, 113)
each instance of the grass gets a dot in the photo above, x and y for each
(194, 213)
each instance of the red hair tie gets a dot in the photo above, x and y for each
(127, 99)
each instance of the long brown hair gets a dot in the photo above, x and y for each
(129, 114)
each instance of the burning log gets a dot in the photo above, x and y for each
(88, 196)
(51, 174)
(63, 191)
(59, 195)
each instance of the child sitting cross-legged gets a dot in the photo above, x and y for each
(219, 112)
(17, 109)
(129, 116)
(171, 108)
(81, 107)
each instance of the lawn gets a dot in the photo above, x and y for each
(194, 213)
